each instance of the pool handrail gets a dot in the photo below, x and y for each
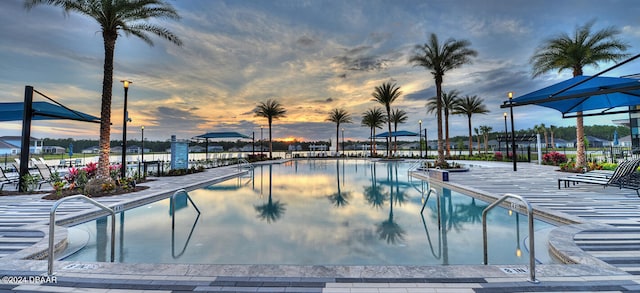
(532, 256)
(52, 224)
(173, 222)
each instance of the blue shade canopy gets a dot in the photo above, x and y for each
(42, 111)
(222, 135)
(396, 134)
(585, 93)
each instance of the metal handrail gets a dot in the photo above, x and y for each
(532, 254)
(243, 162)
(173, 222)
(52, 224)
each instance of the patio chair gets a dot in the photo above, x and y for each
(5, 179)
(45, 175)
(624, 176)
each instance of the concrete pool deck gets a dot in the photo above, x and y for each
(603, 239)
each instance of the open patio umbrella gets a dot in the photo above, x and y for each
(584, 94)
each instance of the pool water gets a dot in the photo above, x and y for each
(312, 212)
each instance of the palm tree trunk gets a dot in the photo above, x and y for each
(337, 138)
(446, 129)
(470, 137)
(440, 160)
(580, 156)
(270, 141)
(105, 109)
(371, 132)
(395, 138)
(389, 138)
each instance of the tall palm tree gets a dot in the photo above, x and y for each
(271, 109)
(439, 59)
(485, 130)
(469, 105)
(386, 94)
(398, 116)
(542, 129)
(552, 129)
(373, 118)
(574, 52)
(339, 116)
(132, 18)
(476, 130)
(448, 101)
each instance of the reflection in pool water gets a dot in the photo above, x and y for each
(313, 212)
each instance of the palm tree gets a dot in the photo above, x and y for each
(542, 129)
(469, 105)
(398, 116)
(574, 52)
(448, 101)
(552, 129)
(485, 130)
(386, 94)
(373, 118)
(439, 59)
(339, 198)
(270, 109)
(339, 116)
(130, 17)
(476, 130)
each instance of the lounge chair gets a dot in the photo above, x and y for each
(624, 176)
(5, 179)
(45, 174)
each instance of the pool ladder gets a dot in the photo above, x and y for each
(532, 254)
(52, 226)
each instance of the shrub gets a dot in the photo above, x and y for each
(97, 186)
(554, 158)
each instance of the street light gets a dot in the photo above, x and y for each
(420, 135)
(513, 133)
(142, 150)
(343, 140)
(506, 141)
(123, 168)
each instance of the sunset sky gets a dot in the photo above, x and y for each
(311, 56)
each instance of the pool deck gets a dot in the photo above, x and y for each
(602, 237)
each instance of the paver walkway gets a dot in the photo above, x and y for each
(616, 240)
(611, 217)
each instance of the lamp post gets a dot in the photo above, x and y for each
(123, 168)
(426, 144)
(142, 149)
(506, 137)
(343, 140)
(420, 135)
(513, 133)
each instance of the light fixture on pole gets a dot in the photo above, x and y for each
(142, 149)
(506, 137)
(123, 167)
(513, 134)
(420, 135)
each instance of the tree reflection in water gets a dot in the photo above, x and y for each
(390, 230)
(272, 210)
(339, 198)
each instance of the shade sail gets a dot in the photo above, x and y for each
(585, 93)
(222, 135)
(42, 111)
(396, 134)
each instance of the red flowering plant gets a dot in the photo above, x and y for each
(554, 158)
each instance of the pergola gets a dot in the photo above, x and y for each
(227, 134)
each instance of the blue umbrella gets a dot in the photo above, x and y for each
(615, 138)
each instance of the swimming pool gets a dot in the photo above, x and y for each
(311, 212)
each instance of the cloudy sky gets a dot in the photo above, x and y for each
(311, 56)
